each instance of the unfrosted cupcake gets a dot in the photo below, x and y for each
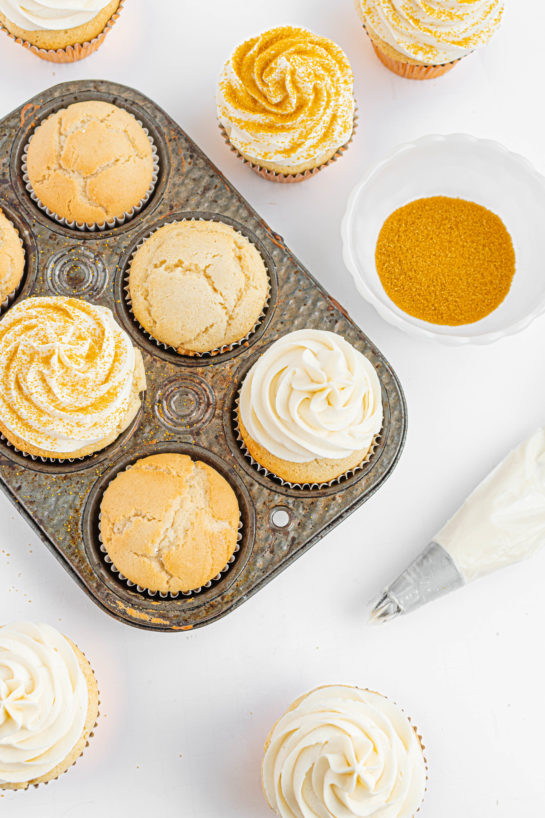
(12, 258)
(57, 30)
(310, 407)
(285, 101)
(70, 378)
(422, 40)
(48, 704)
(169, 523)
(198, 286)
(341, 751)
(91, 164)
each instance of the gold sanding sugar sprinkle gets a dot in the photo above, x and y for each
(444, 260)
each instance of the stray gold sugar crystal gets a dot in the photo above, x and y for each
(445, 260)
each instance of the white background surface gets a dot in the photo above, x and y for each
(184, 716)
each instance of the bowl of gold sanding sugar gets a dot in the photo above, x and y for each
(446, 239)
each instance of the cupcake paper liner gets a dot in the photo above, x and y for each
(41, 458)
(262, 470)
(211, 353)
(168, 594)
(410, 71)
(75, 761)
(288, 178)
(84, 226)
(72, 53)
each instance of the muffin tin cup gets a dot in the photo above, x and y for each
(169, 594)
(217, 350)
(85, 226)
(72, 53)
(262, 470)
(288, 178)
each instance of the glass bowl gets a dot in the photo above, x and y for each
(463, 166)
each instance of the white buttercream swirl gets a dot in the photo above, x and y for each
(51, 15)
(342, 752)
(432, 32)
(285, 97)
(312, 395)
(66, 373)
(43, 701)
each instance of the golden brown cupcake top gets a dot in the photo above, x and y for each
(12, 257)
(198, 285)
(90, 163)
(285, 96)
(169, 523)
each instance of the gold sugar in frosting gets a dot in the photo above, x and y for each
(432, 33)
(66, 373)
(286, 98)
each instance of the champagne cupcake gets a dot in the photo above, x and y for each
(285, 103)
(310, 407)
(48, 704)
(198, 286)
(421, 40)
(169, 524)
(70, 378)
(12, 260)
(56, 30)
(341, 751)
(90, 165)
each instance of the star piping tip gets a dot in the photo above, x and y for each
(384, 610)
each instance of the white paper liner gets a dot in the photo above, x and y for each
(167, 594)
(10, 298)
(218, 350)
(85, 226)
(262, 470)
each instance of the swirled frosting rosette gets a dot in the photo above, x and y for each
(70, 377)
(285, 100)
(429, 33)
(48, 704)
(342, 752)
(310, 408)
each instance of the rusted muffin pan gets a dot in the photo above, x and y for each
(190, 401)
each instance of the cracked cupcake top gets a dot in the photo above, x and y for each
(169, 523)
(90, 162)
(197, 285)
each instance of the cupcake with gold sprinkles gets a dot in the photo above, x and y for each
(285, 103)
(420, 40)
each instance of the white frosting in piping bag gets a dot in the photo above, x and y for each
(51, 15)
(503, 520)
(43, 701)
(342, 752)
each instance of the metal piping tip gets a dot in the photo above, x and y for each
(384, 609)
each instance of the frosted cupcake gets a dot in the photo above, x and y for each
(91, 164)
(198, 286)
(70, 378)
(57, 30)
(12, 259)
(48, 704)
(285, 102)
(420, 40)
(341, 751)
(310, 407)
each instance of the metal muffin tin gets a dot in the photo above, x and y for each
(188, 406)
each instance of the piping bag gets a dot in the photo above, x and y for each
(502, 522)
